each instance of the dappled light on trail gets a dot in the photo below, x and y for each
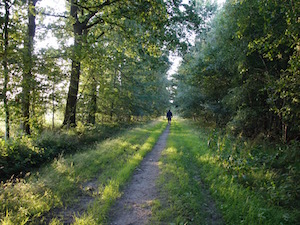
(183, 199)
(93, 176)
(237, 202)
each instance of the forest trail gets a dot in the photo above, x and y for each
(134, 207)
(139, 198)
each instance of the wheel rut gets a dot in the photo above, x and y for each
(134, 207)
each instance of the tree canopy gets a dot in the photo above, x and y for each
(244, 72)
(109, 62)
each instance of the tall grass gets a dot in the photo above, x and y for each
(108, 165)
(239, 204)
(23, 153)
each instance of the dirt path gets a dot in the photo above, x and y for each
(134, 207)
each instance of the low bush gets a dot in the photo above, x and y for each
(250, 182)
(273, 170)
(21, 154)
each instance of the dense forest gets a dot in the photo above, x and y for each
(107, 63)
(107, 68)
(242, 79)
(243, 73)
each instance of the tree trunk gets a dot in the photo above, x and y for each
(70, 113)
(5, 68)
(111, 111)
(92, 107)
(112, 85)
(284, 132)
(53, 105)
(28, 64)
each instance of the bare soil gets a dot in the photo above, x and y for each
(134, 207)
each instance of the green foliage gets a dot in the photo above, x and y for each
(268, 169)
(132, 85)
(242, 177)
(57, 184)
(19, 155)
(246, 70)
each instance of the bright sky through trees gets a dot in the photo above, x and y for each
(176, 60)
(59, 7)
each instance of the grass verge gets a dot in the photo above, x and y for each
(186, 160)
(21, 154)
(57, 185)
(184, 198)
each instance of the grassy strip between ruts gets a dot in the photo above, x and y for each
(109, 165)
(185, 162)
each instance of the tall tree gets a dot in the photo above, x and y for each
(84, 17)
(28, 65)
(5, 68)
(145, 22)
(245, 70)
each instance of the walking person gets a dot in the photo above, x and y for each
(169, 116)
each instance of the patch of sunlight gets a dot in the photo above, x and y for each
(263, 175)
(111, 191)
(61, 166)
(144, 130)
(7, 221)
(58, 119)
(169, 151)
(206, 158)
(2, 127)
(135, 147)
(172, 153)
(124, 144)
(170, 168)
(137, 157)
(24, 199)
(269, 175)
(85, 220)
(55, 221)
(146, 146)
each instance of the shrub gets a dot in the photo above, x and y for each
(271, 169)
(19, 155)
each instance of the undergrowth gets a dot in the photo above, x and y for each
(109, 164)
(21, 154)
(246, 181)
(271, 170)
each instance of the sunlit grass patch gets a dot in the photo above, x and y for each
(85, 220)
(238, 204)
(22, 200)
(109, 165)
(181, 200)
